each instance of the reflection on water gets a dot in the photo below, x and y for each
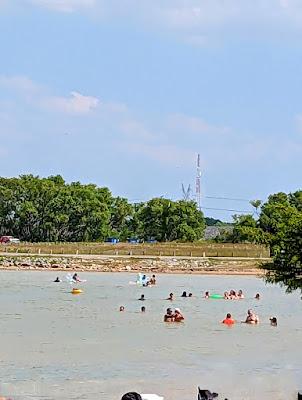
(56, 345)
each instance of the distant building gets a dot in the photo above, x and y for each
(213, 232)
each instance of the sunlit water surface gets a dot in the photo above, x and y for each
(55, 345)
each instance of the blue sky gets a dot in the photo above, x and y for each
(125, 93)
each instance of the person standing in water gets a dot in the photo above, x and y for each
(228, 320)
(178, 317)
(75, 278)
(170, 297)
(169, 316)
(57, 279)
(153, 280)
(251, 318)
(273, 321)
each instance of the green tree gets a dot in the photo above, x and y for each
(287, 265)
(167, 220)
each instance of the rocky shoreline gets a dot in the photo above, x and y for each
(131, 264)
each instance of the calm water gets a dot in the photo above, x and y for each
(58, 346)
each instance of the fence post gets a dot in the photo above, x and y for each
(39, 251)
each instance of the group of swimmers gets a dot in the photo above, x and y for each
(175, 316)
(251, 318)
(75, 278)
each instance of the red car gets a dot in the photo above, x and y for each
(8, 239)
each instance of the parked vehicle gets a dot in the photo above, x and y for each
(112, 240)
(9, 240)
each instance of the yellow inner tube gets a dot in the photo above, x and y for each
(76, 291)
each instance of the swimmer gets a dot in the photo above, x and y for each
(251, 318)
(273, 321)
(57, 279)
(257, 297)
(240, 294)
(233, 295)
(190, 295)
(170, 297)
(132, 396)
(207, 295)
(143, 309)
(152, 280)
(169, 316)
(75, 278)
(178, 317)
(228, 320)
(226, 296)
(122, 308)
(184, 294)
(142, 298)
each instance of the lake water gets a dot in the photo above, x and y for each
(55, 345)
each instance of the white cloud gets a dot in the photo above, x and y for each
(170, 155)
(189, 124)
(39, 96)
(75, 104)
(19, 83)
(135, 129)
(66, 6)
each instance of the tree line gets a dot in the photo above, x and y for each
(38, 209)
(278, 224)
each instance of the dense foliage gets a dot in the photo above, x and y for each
(48, 209)
(278, 224)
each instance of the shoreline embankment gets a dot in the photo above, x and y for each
(135, 264)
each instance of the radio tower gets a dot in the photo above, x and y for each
(198, 179)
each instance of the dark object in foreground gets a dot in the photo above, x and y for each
(299, 396)
(206, 395)
(132, 396)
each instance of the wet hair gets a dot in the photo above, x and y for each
(122, 308)
(190, 295)
(229, 315)
(143, 309)
(184, 294)
(169, 310)
(257, 296)
(273, 320)
(132, 396)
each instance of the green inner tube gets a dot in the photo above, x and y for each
(216, 296)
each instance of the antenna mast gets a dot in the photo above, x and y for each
(198, 184)
(186, 192)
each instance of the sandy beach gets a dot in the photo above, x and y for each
(147, 264)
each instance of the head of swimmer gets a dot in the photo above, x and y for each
(122, 308)
(132, 396)
(273, 321)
